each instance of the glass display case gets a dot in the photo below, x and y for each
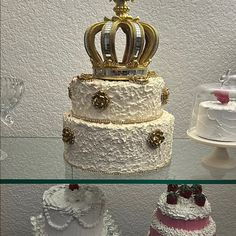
(214, 112)
(118, 131)
(214, 119)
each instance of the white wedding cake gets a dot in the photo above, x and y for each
(75, 211)
(117, 123)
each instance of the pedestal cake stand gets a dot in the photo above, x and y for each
(219, 158)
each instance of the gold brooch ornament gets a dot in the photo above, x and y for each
(165, 96)
(100, 100)
(68, 136)
(156, 138)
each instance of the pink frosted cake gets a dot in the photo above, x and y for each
(183, 211)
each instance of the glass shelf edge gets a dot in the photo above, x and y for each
(112, 181)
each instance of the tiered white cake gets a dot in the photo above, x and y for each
(117, 123)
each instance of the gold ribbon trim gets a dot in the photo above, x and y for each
(107, 121)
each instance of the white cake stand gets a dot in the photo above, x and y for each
(220, 158)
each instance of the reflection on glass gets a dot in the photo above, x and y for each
(12, 90)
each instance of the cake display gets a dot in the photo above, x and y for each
(217, 119)
(73, 210)
(117, 123)
(214, 113)
(183, 211)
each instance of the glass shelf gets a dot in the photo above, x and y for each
(40, 160)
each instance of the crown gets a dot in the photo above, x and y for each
(141, 44)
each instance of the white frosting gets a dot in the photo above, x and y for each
(129, 101)
(164, 230)
(110, 228)
(185, 209)
(75, 213)
(217, 121)
(114, 148)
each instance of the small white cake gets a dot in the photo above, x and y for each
(76, 213)
(217, 121)
(180, 215)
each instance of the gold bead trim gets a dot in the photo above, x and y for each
(69, 92)
(136, 78)
(119, 173)
(106, 121)
(165, 96)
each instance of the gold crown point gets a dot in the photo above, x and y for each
(121, 9)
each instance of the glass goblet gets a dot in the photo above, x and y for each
(12, 90)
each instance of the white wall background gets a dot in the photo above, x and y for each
(42, 43)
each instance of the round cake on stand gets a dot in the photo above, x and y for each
(214, 120)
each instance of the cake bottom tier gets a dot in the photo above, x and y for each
(123, 148)
(158, 228)
(73, 229)
(109, 228)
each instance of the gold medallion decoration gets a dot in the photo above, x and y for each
(100, 100)
(68, 136)
(165, 96)
(156, 138)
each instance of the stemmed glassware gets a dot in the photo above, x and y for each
(12, 90)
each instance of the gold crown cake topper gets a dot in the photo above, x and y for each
(141, 44)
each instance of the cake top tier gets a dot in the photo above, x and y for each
(73, 201)
(141, 44)
(184, 202)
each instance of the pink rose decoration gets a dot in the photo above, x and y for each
(222, 96)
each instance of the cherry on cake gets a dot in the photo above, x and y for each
(183, 211)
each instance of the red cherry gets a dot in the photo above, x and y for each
(185, 191)
(200, 199)
(172, 198)
(196, 188)
(172, 187)
(73, 187)
(222, 96)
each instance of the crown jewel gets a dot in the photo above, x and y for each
(141, 44)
